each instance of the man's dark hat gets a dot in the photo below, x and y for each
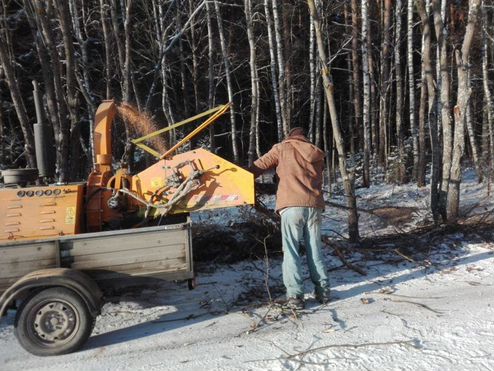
(296, 131)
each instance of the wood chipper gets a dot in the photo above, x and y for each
(60, 242)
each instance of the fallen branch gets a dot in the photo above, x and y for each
(397, 251)
(410, 297)
(187, 318)
(351, 266)
(411, 343)
(415, 303)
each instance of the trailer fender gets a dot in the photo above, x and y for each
(72, 279)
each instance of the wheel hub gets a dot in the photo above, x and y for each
(54, 321)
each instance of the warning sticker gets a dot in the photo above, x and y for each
(157, 182)
(70, 215)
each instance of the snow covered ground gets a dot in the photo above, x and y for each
(401, 316)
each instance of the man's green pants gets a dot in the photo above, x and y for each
(302, 224)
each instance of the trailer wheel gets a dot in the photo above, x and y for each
(52, 322)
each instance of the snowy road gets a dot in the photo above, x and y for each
(399, 317)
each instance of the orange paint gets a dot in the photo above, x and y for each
(40, 212)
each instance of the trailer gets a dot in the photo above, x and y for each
(56, 284)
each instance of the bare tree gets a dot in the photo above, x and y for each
(274, 75)
(385, 84)
(282, 87)
(431, 92)
(366, 94)
(211, 79)
(348, 180)
(70, 80)
(463, 96)
(226, 62)
(357, 97)
(444, 98)
(104, 8)
(489, 123)
(399, 94)
(411, 89)
(254, 84)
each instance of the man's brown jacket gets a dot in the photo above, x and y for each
(299, 165)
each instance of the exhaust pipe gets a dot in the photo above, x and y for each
(43, 139)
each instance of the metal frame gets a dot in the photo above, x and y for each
(215, 114)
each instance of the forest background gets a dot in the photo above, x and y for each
(400, 89)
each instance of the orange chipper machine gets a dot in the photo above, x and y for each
(178, 183)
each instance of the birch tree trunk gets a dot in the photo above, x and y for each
(463, 96)
(385, 85)
(402, 178)
(489, 123)
(351, 88)
(229, 85)
(313, 79)
(195, 61)
(348, 180)
(212, 141)
(254, 84)
(421, 129)
(128, 155)
(287, 60)
(444, 98)
(163, 69)
(183, 78)
(106, 39)
(411, 90)
(366, 94)
(472, 140)
(118, 43)
(281, 66)
(374, 99)
(274, 76)
(127, 47)
(431, 92)
(357, 86)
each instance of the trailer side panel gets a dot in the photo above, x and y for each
(139, 252)
(20, 259)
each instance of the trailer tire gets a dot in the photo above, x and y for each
(53, 321)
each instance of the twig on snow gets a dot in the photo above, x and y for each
(415, 303)
(412, 343)
(353, 267)
(266, 265)
(397, 251)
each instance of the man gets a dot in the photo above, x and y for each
(299, 200)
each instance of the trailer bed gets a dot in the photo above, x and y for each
(163, 252)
